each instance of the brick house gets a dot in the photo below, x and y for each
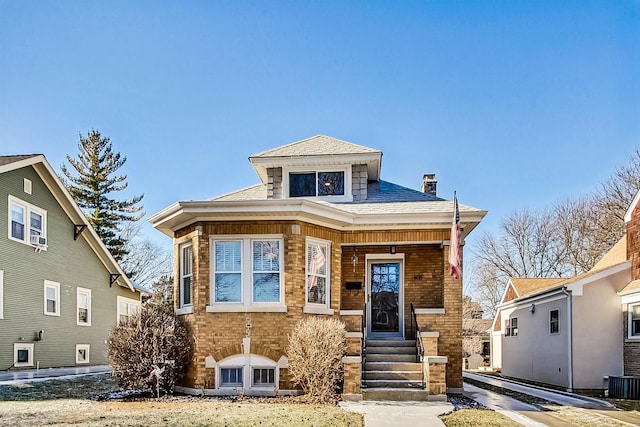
(630, 295)
(320, 235)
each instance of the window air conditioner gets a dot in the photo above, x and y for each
(38, 240)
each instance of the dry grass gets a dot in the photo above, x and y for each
(476, 418)
(173, 412)
(65, 402)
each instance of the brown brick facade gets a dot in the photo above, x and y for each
(427, 285)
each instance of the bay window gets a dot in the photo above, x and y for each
(247, 271)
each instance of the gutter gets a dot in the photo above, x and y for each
(569, 336)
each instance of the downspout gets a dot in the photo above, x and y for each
(569, 336)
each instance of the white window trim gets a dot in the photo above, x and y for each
(346, 168)
(28, 208)
(80, 291)
(181, 304)
(86, 347)
(119, 300)
(56, 286)
(246, 295)
(1, 294)
(315, 308)
(629, 325)
(550, 310)
(248, 362)
(22, 346)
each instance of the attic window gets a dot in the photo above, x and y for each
(317, 183)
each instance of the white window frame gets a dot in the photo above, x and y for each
(181, 302)
(630, 334)
(248, 362)
(232, 385)
(129, 302)
(346, 168)
(23, 346)
(87, 348)
(246, 302)
(1, 294)
(514, 331)
(87, 292)
(558, 321)
(327, 245)
(56, 287)
(265, 385)
(27, 209)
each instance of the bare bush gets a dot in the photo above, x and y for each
(150, 350)
(315, 351)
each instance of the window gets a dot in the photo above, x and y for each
(264, 377)
(27, 223)
(317, 272)
(22, 355)
(51, 298)
(247, 271)
(316, 183)
(82, 353)
(554, 321)
(634, 320)
(127, 307)
(186, 273)
(83, 297)
(511, 327)
(231, 377)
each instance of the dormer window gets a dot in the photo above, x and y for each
(316, 184)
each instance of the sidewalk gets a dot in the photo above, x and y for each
(555, 396)
(12, 377)
(399, 414)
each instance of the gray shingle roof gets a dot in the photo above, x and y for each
(383, 197)
(318, 145)
(5, 160)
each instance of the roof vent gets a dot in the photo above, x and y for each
(429, 183)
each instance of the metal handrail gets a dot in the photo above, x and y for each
(415, 334)
(363, 345)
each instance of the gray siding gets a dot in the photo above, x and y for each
(598, 326)
(274, 183)
(359, 178)
(72, 263)
(535, 354)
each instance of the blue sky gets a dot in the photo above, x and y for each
(513, 104)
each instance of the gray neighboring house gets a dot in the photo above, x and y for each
(564, 332)
(61, 291)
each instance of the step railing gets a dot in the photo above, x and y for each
(414, 332)
(363, 346)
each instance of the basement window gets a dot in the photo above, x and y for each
(22, 355)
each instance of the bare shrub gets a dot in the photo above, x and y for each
(315, 351)
(150, 350)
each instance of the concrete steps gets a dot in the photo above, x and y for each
(391, 371)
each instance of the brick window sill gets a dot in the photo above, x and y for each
(310, 309)
(240, 308)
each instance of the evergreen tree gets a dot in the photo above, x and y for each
(96, 166)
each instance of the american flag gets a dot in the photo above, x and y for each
(454, 245)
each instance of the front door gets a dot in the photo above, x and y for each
(385, 308)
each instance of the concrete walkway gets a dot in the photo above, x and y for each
(399, 414)
(555, 396)
(13, 377)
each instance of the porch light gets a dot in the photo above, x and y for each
(354, 259)
(392, 249)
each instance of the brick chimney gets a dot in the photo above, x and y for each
(429, 183)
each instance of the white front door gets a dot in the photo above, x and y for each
(385, 314)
